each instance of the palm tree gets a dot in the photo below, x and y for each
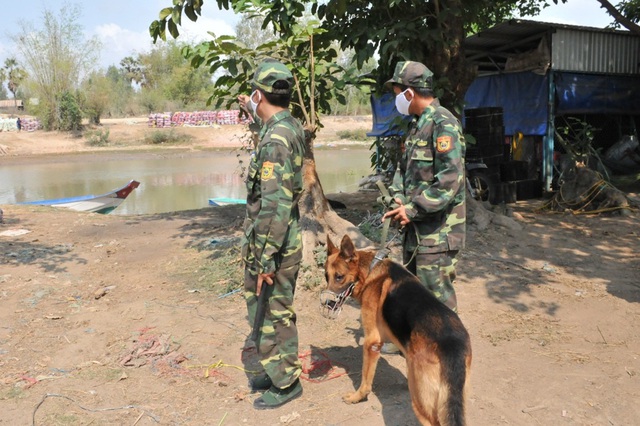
(14, 76)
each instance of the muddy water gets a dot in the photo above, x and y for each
(166, 183)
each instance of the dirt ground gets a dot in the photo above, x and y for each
(113, 319)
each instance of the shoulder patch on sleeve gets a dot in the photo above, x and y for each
(267, 170)
(444, 144)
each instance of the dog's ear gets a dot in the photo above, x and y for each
(347, 249)
(331, 249)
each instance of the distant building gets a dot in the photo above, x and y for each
(535, 76)
(8, 104)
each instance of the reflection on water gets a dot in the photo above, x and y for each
(166, 183)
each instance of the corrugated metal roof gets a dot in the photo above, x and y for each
(572, 48)
(595, 52)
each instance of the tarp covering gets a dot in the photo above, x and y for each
(597, 94)
(522, 96)
(387, 121)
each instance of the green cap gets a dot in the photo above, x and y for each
(270, 71)
(412, 74)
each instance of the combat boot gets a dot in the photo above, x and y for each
(260, 382)
(276, 397)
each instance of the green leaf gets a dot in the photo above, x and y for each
(165, 12)
(176, 16)
(188, 10)
(173, 29)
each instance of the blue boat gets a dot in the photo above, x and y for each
(225, 201)
(103, 204)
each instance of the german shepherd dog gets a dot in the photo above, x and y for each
(397, 308)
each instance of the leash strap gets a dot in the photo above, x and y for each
(387, 221)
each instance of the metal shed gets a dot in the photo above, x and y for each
(537, 70)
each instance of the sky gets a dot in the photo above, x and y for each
(122, 25)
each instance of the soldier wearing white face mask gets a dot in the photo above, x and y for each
(429, 183)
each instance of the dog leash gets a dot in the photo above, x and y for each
(384, 251)
(387, 200)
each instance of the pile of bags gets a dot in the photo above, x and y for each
(26, 124)
(196, 119)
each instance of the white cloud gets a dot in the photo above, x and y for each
(118, 42)
(198, 31)
(586, 13)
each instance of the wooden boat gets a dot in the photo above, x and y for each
(104, 203)
(224, 201)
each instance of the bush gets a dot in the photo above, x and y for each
(98, 137)
(69, 114)
(354, 135)
(158, 137)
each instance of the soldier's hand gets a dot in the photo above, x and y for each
(264, 278)
(399, 214)
(243, 100)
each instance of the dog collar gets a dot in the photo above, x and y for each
(380, 256)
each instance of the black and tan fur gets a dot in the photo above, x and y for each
(397, 308)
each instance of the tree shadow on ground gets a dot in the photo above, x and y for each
(389, 384)
(51, 258)
(592, 250)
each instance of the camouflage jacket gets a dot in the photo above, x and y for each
(274, 183)
(430, 180)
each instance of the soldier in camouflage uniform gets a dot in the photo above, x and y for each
(429, 183)
(272, 247)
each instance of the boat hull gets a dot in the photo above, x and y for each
(103, 204)
(224, 201)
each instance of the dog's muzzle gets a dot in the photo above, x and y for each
(331, 302)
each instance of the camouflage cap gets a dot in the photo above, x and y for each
(270, 71)
(412, 74)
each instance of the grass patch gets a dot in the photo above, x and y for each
(98, 137)
(224, 269)
(13, 392)
(166, 136)
(371, 227)
(354, 135)
(100, 373)
(58, 419)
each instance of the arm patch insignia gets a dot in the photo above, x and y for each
(444, 144)
(267, 170)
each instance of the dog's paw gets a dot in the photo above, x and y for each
(353, 397)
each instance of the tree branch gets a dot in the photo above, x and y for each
(623, 20)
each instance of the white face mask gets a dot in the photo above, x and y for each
(254, 105)
(402, 104)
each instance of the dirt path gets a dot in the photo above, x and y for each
(119, 319)
(115, 320)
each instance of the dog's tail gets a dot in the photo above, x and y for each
(455, 370)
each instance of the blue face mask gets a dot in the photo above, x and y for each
(402, 104)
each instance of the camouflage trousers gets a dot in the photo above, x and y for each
(278, 341)
(436, 271)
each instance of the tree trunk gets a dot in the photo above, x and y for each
(318, 219)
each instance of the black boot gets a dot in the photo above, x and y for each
(260, 382)
(276, 397)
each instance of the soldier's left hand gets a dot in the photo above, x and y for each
(399, 214)
(264, 278)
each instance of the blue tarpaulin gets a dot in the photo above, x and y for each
(387, 121)
(522, 96)
(597, 94)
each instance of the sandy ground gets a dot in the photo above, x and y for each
(116, 320)
(126, 134)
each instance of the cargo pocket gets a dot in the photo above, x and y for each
(248, 243)
(422, 163)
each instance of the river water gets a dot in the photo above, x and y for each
(167, 183)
